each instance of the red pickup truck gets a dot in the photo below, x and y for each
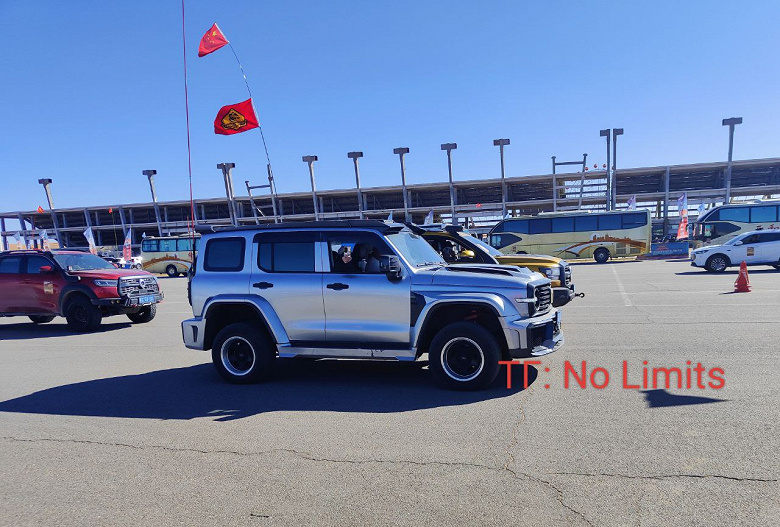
(80, 286)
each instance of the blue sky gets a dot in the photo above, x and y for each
(93, 94)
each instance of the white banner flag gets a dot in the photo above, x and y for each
(632, 202)
(429, 218)
(90, 240)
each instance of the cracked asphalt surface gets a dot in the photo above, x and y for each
(128, 427)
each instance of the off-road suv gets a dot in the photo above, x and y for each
(458, 246)
(80, 286)
(361, 289)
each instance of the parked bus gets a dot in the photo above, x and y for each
(580, 234)
(722, 223)
(172, 255)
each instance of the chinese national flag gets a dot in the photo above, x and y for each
(235, 118)
(211, 41)
(40, 209)
(110, 210)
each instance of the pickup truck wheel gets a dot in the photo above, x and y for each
(145, 314)
(171, 271)
(242, 354)
(601, 255)
(82, 316)
(41, 319)
(464, 356)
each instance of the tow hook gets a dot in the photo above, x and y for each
(581, 295)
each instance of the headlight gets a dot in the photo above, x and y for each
(106, 283)
(549, 272)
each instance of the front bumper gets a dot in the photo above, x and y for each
(128, 302)
(534, 336)
(192, 332)
(562, 295)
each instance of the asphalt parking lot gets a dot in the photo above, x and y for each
(128, 427)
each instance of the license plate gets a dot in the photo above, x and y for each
(148, 299)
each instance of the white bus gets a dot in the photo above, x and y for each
(719, 225)
(172, 255)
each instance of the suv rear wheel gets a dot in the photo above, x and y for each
(464, 356)
(242, 354)
(601, 255)
(145, 314)
(81, 315)
(41, 319)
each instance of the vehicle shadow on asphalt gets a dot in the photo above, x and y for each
(734, 271)
(297, 385)
(29, 331)
(662, 399)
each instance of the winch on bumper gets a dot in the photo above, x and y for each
(534, 336)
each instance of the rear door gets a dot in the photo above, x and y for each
(11, 287)
(287, 273)
(41, 290)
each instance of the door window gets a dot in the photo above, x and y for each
(360, 253)
(34, 264)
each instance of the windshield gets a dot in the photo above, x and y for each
(416, 251)
(82, 262)
(492, 251)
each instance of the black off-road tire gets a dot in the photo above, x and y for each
(717, 263)
(171, 271)
(145, 314)
(601, 255)
(464, 356)
(242, 354)
(82, 316)
(41, 319)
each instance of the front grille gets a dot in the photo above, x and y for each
(543, 295)
(138, 286)
(567, 275)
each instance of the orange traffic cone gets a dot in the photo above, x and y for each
(742, 285)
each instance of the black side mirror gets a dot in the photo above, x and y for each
(390, 265)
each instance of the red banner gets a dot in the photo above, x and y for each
(211, 41)
(236, 118)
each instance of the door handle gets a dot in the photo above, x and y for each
(337, 286)
(263, 285)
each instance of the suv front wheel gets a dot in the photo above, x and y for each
(464, 356)
(82, 316)
(242, 354)
(143, 315)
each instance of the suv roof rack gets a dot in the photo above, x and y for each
(321, 224)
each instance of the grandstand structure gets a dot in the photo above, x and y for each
(477, 203)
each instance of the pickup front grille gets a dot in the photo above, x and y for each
(543, 295)
(138, 286)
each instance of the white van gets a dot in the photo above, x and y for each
(754, 248)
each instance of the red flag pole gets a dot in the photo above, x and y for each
(187, 109)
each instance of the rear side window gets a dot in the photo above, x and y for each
(765, 237)
(10, 265)
(224, 255)
(286, 252)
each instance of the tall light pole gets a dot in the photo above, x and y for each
(227, 175)
(449, 147)
(150, 174)
(47, 187)
(501, 143)
(731, 123)
(613, 196)
(310, 160)
(606, 133)
(354, 156)
(401, 152)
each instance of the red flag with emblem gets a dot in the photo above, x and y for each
(236, 118)
(212, 41)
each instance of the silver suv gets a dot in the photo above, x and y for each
(360, 289)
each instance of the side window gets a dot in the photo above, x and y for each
(586, 223)
(740, 214)
(286, 252)
(520, 226)
(563, 224)
(502, 240)
(34, 264)
(167, 246)
(224, 255)
(763, 214)
(360, 253)
(750, 240)
(149, 246)
(771, 236)
(184, 244)
(632, 220)
(540, 226)
(10, 264)
(610, 222)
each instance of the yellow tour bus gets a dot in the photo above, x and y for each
(172, 255)
(718, 225)
(580, 234)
